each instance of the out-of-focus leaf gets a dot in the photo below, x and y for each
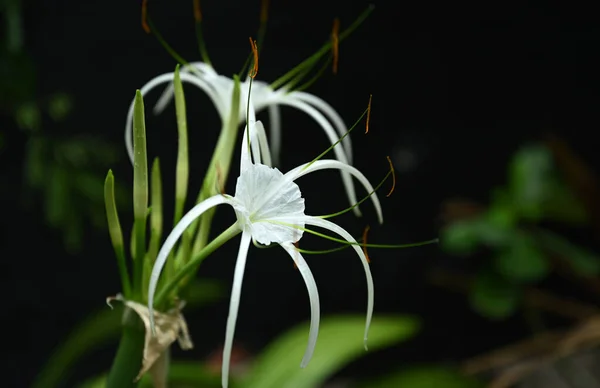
(97, 329)
(583, 261)
(502, 213)
(522, 260)
(425, 377)
(17, 78)
(529, 173)
(29, 117)
(59, 106)
(562, 205)
(464, 236)
(492, 296)
(102, 327)
(181, 374)
(340, 341)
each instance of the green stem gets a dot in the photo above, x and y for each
(128, 360)
(192, 265)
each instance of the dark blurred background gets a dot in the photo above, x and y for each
(457, 89)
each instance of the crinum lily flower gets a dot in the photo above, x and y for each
(270, 210)
(219, 89)
(264, 96)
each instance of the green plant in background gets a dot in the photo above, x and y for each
(512, 228)
(62, 169)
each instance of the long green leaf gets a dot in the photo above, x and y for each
(116, 234)
(340, 341)
(182, 174)
(140, 188)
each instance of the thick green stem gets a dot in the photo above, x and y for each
(128, 360)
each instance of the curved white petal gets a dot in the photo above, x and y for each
(339, 149)
(331, 114)
(307, 168)
(163, 78)
(234, 304)
(198, 68)
(313, 295)
(325, 224)
(275, 131)
(172, 239)
(264, 144)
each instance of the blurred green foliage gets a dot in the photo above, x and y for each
(510, 229)
(278, 365)
(64, 173)
(424, 376)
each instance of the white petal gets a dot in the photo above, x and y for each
(324, 164)
(339, 149)
(172, 239)
(163, 78)
(234, 304)
(275, 131)
(325, 224)
(331, 114)
(313, 296)
(264, 144)
(195, 68)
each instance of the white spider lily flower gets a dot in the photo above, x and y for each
(270, 210)
(219, 89)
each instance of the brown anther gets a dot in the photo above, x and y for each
(393, 176)
(145, 25)
(254, 70)
(335, 43)
(364, 247)
(197, 12)
(368, 114)
(264, 11)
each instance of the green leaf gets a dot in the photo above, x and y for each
(98, 329)
(140, 188)
(29, 117)
(104, 326)
(432, 376)
(502, 212)
(116, 234)
(494, 297)
(583, 261)
(562, 205)
(522, 260)
(156, 214)
(340, 342)
(60, 105)
(182, 168)
(529, 173)
(465, 236)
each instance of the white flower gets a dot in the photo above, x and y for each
(219, 89)
(270, 209)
